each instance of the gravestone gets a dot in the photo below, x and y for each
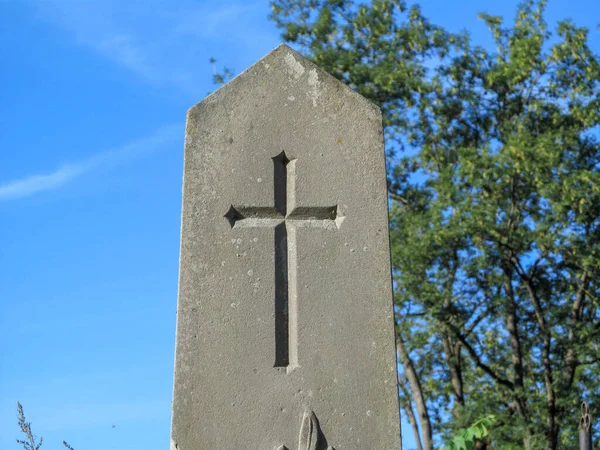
(285, 330)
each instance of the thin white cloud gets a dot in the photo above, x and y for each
(35, 184)
(105, 27)
(167, 43)
(208, 23)
(123, 50)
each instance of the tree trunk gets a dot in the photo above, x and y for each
(574, 319)
(453, 359)
(512, 326)
(417, 394)
(552, 425)
(411, 415)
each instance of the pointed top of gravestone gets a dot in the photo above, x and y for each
(284, 67)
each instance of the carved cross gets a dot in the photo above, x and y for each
(285, 216)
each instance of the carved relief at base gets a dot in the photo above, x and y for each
(311, 437)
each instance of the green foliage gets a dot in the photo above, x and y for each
(470, 437)
(494, 182)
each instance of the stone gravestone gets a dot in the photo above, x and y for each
(285, 330)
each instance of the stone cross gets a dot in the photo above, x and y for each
(277, 217)
(285, 330)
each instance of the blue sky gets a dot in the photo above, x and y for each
(93, 101)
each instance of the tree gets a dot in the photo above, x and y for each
(494, 184)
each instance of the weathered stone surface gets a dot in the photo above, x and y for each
(285, 325)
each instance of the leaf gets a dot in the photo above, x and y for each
(309, 432)
(459, 443)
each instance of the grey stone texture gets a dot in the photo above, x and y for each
(285, 330)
